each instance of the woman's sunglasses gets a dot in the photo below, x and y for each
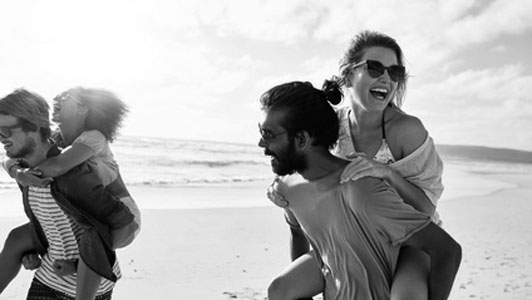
(66, 96)
(376, 69)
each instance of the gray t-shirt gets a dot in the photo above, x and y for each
(356, 229)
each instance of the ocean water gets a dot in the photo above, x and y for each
(171, 162)
(158, 162)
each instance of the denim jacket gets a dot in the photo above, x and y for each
(95, 207)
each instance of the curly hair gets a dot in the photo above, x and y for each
(106, 112)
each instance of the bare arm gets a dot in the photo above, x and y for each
(9, 166)
(299, 244)
(445, 256)
(410, 193)
(362, 166)
(69, 158)
(409, 135)
(24, 176)
(405, 136)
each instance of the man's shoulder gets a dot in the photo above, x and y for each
(365, 185)
(287, 182)
(367, 190)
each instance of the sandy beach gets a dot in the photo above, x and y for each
(193, 251)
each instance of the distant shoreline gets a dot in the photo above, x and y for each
(236, 143)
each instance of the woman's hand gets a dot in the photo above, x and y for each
(275, 196)
(362, 166)
(64, 267)
(31, 261)
(29, 177)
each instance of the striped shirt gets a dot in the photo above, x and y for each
(62, 234)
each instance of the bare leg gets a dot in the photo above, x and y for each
(124, 236)
(301, 279)
(18, 243)
(87, 282)
(411, 279)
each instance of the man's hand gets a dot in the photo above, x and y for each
(29, 177)
(63, 267)
(31, 261)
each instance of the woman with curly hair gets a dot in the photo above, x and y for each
(88, 120)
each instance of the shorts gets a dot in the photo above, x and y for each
(40, 291)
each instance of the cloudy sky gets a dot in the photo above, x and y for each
(195, 69)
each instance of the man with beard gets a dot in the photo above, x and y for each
(71, 218)
(357, 228)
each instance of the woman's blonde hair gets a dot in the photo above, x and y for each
(356, 50)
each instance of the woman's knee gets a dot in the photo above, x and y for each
(283, 288)
(279, 288)
(302, 279)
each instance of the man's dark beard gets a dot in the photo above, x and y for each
(25, 151)
(288, 161)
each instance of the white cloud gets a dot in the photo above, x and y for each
(197, 69)
(477, 107)
(451, 10)
(498, 18)
(272, 20)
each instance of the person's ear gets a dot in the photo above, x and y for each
(302, 140)
(347, 78)
(82, 109)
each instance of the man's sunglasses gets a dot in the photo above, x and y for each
(376, 69)
(6, 131)
(267, 135)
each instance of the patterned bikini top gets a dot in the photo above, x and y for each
(384, 155)
(345, 142)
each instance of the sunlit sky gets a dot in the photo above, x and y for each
(196, 69)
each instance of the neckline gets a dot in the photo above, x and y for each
(328, 181)
(349, 128)
(326, 176)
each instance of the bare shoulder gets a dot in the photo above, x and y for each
(405, 132)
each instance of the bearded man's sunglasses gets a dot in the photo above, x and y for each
(6, 131)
